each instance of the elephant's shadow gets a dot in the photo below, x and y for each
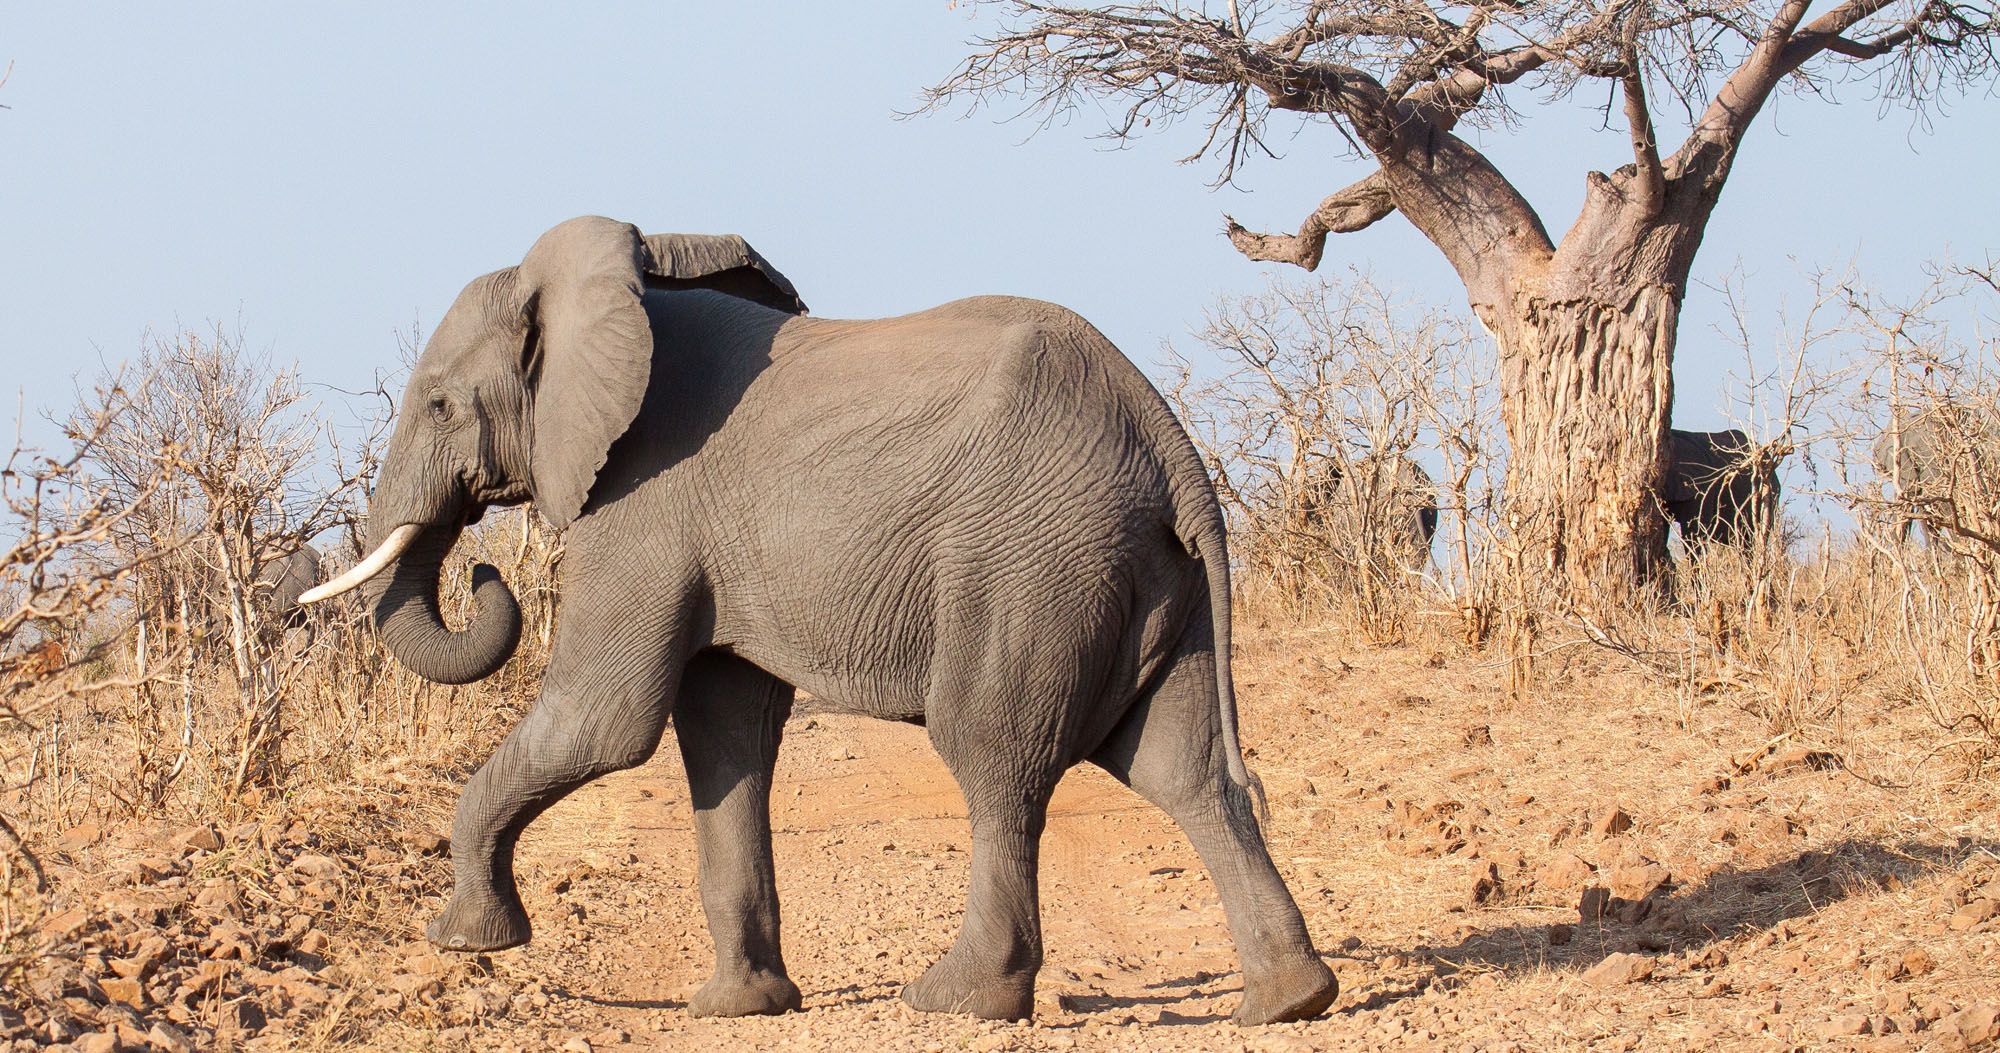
(1726, 905)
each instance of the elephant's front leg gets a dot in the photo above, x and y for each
(729, 718)
(602, 708)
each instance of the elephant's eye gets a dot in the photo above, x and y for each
(440, 408)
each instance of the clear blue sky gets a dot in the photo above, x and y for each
(327, 176)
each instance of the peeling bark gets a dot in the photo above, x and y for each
(1587, 396)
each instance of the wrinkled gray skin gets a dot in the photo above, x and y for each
(289, 576)
(1930, 445)
(1395, 488)
(1712, 495)
(979, 518)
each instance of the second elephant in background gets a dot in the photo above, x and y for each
(289, 576)
(1378, 504)
(1718, 489)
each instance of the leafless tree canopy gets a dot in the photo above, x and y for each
(1390, 69)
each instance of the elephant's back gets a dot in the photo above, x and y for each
(1005, 380)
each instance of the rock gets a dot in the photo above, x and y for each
(247, 1015)
(1844, 1025)
(426, 843)
(1639, 882)
(1917, 962)
(66, 924)
(120, 989)
(1618, 969)
(1612, 823)
(610, 1036)
(1486, 886)
(1973, 913)
(170, 1038)
(1560, 935)
(203, 838)
(1566, 871)
(1975, 1025)
(1594, 904)
(317, 866)
(82, 835)
(97, 1042)
(575, 1045)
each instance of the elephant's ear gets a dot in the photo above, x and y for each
(582, 289)
(723, 262)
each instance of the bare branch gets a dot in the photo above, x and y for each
(1650, 181)
(1344, 211)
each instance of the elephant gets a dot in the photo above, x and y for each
(1717, 490)
(289, 576)
(1391, 488)
(1929, 461)
(979, 518)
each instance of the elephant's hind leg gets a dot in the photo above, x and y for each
(990, 970)
(1003, 712)
(729, 718)
(602, 708)
(1169, 749)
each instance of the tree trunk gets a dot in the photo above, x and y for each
(1586, 396)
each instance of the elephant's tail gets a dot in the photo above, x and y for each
(1199, 524)
(1211, 544)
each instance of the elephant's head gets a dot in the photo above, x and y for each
(529, 378)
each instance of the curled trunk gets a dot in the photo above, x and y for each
(407, 612)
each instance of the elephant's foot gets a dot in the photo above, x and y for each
(759, 993)
(480, 922)
(1299, 991)
(950, 986)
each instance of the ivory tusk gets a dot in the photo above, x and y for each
(370, 565)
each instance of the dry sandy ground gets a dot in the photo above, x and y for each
(1596, 870)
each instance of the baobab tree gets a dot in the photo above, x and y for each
(1585, 325)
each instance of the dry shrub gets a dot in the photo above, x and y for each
(1932, 514)
(52, 584)
(1328, 434)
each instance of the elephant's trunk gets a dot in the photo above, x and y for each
(405, 605)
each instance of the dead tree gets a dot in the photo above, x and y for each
(1585, 325)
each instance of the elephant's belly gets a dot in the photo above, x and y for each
(888, 697)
